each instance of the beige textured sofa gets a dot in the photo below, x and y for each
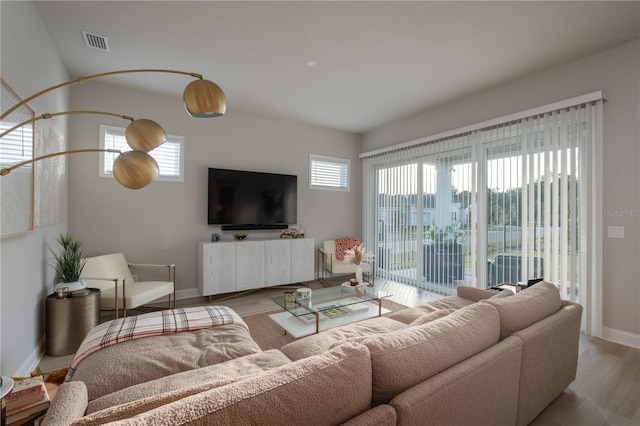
(480, 358)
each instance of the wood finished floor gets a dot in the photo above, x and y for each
(606, 390)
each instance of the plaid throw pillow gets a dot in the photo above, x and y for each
(344, 244)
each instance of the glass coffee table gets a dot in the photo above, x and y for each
(328, 308)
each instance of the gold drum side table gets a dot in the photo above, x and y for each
(69, 319)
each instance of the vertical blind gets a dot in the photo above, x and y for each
(417, 201)
(533, 185)
(512, 192)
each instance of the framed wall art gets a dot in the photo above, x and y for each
(17, 187)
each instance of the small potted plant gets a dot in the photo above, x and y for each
(69, 263)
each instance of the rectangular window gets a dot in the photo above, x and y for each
(17, 196)
(328, 173)
(169, 155)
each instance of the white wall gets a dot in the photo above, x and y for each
(164, 221)
(616, 71)
(30, 63)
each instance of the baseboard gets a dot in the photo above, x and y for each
(188, 293)
(621, 337)
(180, 294)
(32, 361)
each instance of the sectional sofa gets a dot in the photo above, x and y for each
(481, 358)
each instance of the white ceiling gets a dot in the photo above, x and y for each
(377, 61)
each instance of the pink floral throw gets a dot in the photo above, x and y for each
(344, 244)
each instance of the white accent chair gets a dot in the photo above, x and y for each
(118, 290)
(330, 265)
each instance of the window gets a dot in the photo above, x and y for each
(169, 155)
(509, 199)
(16, 199)
(328, 173)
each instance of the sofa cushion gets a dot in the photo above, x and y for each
(340, 380)
(214, 375)
(406, 357)
(526, 307)
(475, 294)
(503, 293)
(163, 355)
(431, 316)
(409, 315)
(318, 343)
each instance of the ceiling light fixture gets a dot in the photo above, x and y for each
(311, 63)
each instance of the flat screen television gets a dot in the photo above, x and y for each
(252, 200)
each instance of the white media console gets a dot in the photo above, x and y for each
(226, 267)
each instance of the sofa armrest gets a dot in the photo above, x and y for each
(550, 350)
(382, 415)
(69, 404)
(473, 293)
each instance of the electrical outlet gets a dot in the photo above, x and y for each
(615, 231)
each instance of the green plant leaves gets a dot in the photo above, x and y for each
(69, 262)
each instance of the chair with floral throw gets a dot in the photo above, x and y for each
(333, 260)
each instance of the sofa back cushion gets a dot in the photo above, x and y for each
(354, 332)
(163, 355)
(431, 316)
(525, 307)
(407, 357)
(213, 375)
(325, 389)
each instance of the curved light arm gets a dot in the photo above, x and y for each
(8, 170)
(48, 115)
(202, 98)
(83, 79)
(132, 169)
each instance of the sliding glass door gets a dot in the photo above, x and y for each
(503, 203)
(422, 217)
(532, 190)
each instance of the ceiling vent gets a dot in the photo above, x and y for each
(96, 41)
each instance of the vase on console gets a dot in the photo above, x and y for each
(359, 274)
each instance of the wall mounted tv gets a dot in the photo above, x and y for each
(252, 200)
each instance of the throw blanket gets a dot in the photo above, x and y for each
(153, 324)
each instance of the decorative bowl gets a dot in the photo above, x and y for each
(240, 237)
